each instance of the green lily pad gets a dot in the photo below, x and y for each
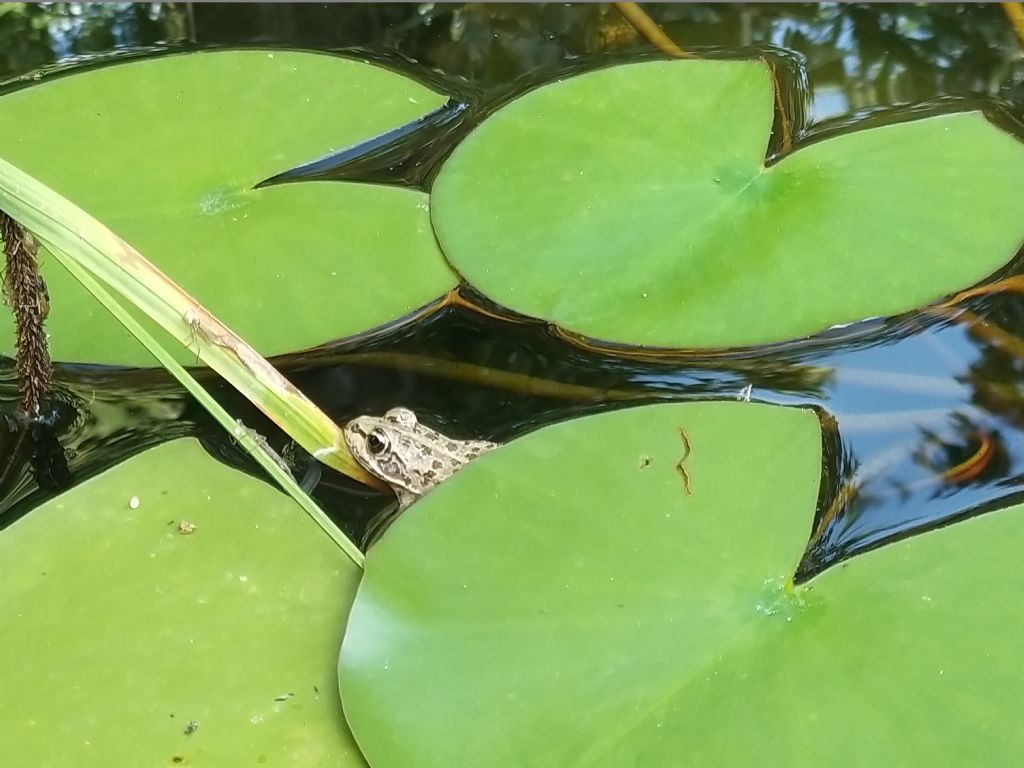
(165, 151)
(632, 205)
(119, 630)
(564, 601)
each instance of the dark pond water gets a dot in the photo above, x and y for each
(930, 412)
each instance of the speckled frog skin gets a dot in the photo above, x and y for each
(408, 456)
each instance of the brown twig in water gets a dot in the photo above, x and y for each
(1011, 284)
(1015, 13)
(645, 25)
(972, 467)
(786, 144)
(490, 377)
(25, 292)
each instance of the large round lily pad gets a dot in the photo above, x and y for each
(166, 151)
(633, 205)
(119, 630)
(564, 601)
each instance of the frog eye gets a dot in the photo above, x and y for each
(377, 442)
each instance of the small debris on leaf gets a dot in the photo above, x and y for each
(679, 467)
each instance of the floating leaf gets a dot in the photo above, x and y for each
(120, 629)
(565, 601)
(632, 205)
(165, 152)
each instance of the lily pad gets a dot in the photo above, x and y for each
(166, 152)
(633, 205)
(120, 631)
(565, 601)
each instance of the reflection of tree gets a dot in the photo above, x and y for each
(996, 378)
(874, 54)
(937, 476)
(965, 464)
(33, 35)
(857, 56)
(24, 37)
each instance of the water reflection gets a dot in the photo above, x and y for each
(930, 412)
(857, 56)
(912, 408)
(34, 35)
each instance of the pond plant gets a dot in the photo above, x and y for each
(616, 589)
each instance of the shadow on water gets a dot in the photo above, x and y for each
(928, 413)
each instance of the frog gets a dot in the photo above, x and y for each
(410, 457)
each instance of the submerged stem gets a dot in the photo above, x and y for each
(654, 34)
